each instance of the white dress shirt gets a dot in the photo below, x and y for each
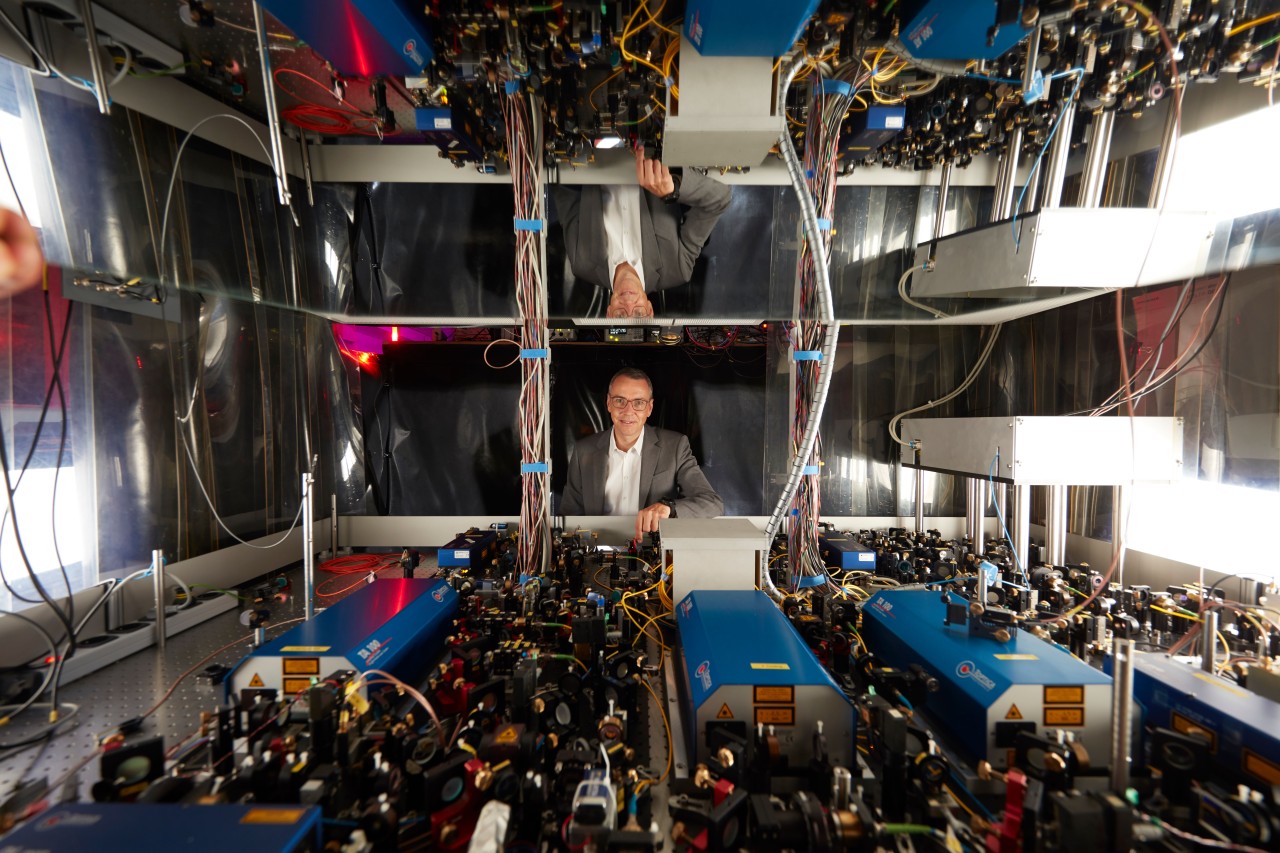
(622, 478)
(622, 228)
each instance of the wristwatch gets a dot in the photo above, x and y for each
(670, 504)
(677, 176)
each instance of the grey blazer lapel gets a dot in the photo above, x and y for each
(649, 463)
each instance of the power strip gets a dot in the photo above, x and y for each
(95, 657)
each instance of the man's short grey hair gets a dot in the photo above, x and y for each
(633, 373)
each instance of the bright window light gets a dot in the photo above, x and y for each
(19, 160)
(34, 500)
(1176, 521)
(1209, 173)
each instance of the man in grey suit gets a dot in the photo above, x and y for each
(636, 242)
(636, 469)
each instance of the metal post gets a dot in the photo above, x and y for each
(95, 58)
(1022, 524)
(1055, 529)
(1056, 169)
(333, 525)
(919, 494)
(1121, 709)
(944, 189)
(1208, 641)
(308, 547)
(1029, 68)
(306, 167)
(273, 114)
(841, 787)
(1119, 496)
(1164, 161)
(1002, 203)
(1094, 177)
(975, 510)
(157, 579)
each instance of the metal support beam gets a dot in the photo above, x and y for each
(919, 494)
(975, 510)
(308, 547)
(1055, 529)
(273, 113)
(940, 212)
(1096, 155)
(1164, 161)
(95, 59)
(1021, 531)
(1056, 169)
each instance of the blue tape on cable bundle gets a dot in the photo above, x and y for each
(811, 470)
(529, 224)
(807, 355)
(836, 87)
(824, 224)
(535, 353)
(512, 86)
(811, 580)
(534, 468)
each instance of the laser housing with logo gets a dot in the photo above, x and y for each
(396, 625)
(989, 690)
(742, 664)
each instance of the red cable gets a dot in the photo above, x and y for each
(358, 563)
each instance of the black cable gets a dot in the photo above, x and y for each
(44, 412)
(1222, 301)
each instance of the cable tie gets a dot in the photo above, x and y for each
(811, 470)
(534, 468)
(529, 224)
(807, 355)
(512, 87)
(811, 580)
(535, 353)
(836, 87)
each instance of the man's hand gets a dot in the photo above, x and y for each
(21, 261)
(647, 519)
(654, 176)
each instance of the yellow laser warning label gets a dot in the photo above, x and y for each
(256, 681)
(312, 649)
(770, 666)
(724, 713)
(276, 816)
(1014, 713)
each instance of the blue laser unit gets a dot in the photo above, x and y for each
(397, 625)
(988, 690)
(746, 27)
(359, 37)
(468, 550)
(844, 552)
(867, 130)
(125, 828)
(955, 29)
(743, 664)
(1243, 728)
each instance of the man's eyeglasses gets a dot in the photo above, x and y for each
(623, 402)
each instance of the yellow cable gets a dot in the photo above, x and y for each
(1175, 613)
(665, 725)
(591, 98)
(1226, 648)
(1248, 25)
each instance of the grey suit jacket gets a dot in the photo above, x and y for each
(668, 471)
(670, 247)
